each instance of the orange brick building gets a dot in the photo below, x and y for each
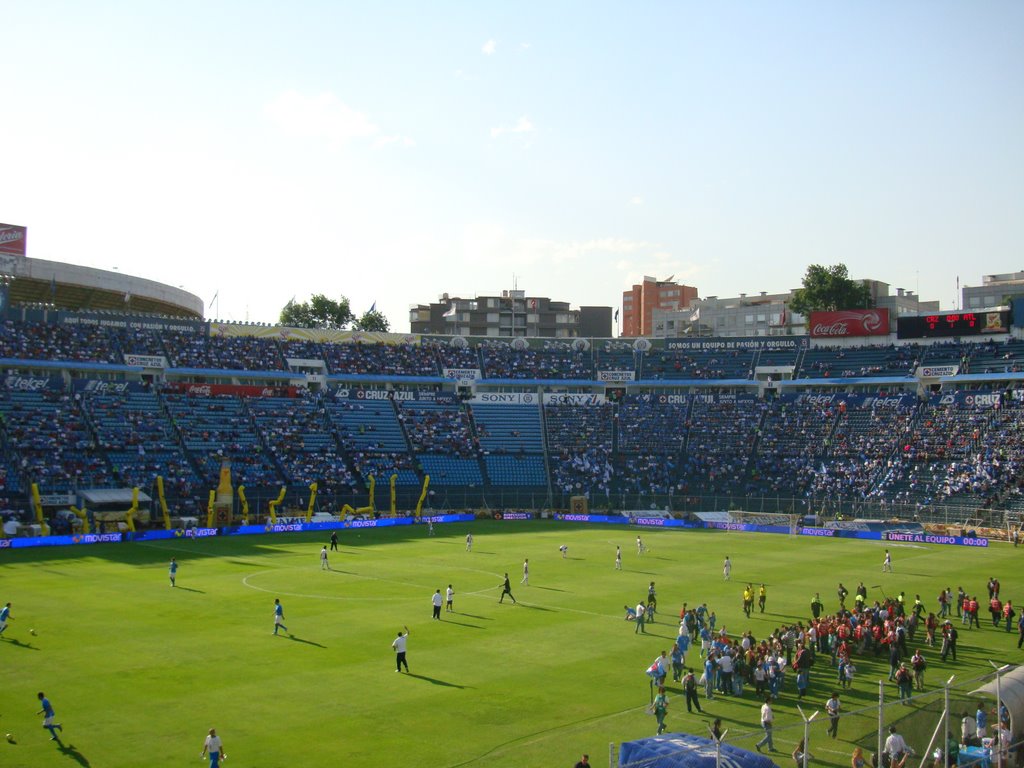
(639, 302)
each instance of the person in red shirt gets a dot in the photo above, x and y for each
(996, 609)
(973, 618)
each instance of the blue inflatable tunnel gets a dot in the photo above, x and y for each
(680, 750)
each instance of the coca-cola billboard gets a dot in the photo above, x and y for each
(12, 239)
(238, 390)
(849, 322)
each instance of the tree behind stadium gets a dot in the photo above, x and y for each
(829, 289)
(323, 312)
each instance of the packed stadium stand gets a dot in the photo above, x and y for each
(87, 406)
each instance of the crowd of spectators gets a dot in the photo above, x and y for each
(42, 341)
(438, 428)
(556, 360)
(245, 353)
(380, 359)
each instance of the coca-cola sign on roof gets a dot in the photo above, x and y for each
(849, 322)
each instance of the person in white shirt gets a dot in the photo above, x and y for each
(435, 600)
(832, 707)
(726, 568)
(767, 719)
(449, 597)
(214, 748)
(526, 572)
(399, 645)
(618, 558)
(969, 730)
(469, 542)
(324, 566)
(896, 749)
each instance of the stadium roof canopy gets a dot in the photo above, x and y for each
(70, 286)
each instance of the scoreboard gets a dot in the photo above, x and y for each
(953, 324)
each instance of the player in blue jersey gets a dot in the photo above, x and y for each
(279, 616)
(172, 571)
(48, 715)
(5, 616)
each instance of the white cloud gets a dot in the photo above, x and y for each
(402, 141)
(524, 46)
(636, 200)
(320, 116)
(522, 125)
(489, 47)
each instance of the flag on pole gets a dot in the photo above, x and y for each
(373, 307)
(616, 315)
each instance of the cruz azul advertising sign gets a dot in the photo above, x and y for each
(849, 322)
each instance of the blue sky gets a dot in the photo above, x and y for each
(392, 151)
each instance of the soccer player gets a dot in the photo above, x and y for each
(214, 748)
(435, 600)
(506, 589)
(887, 563)
(449, 597)
(640, 548)
(5, 616)
(563, 549)
(324, 565)
(618, 558)
(399, 646)
(279, 616)
(726, 568)
(172, 571)
(762, 597)
(48, 715)
(334, 541)
(469, 542)
(526, 572)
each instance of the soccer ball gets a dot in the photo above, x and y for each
(31, 631)
(10, 737)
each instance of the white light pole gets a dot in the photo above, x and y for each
(807, 733)
(999, 708)
(945, 743)
(718, 746)
(881, 720)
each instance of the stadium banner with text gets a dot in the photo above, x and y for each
(13, 240)
(616, 377)
(513, 515)
(394, 394)
(506, 398)
(20, 383)
(60, 541)
(146, 361)
(133, 322)
(978, 399)
(851, 399)
(726, 397)
(932, 538)
(241, 390)
(107, 387)
(464, 376)
(745, 342)
(848, 323)
(318, 335)
(936, 371)
(574, 518)
(576, 400)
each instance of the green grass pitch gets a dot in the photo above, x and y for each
(138, 671)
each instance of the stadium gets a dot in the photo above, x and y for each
(131, 424)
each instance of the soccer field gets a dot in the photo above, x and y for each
(138, 671)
